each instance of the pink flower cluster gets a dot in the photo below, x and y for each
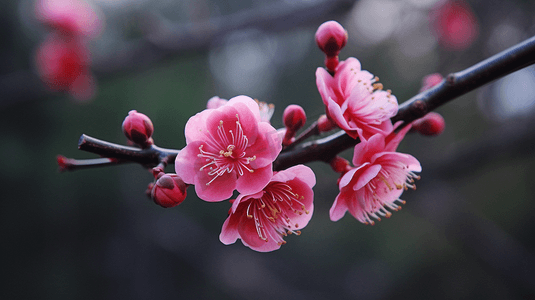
(63, 59)
(231, 147)
(356, 102)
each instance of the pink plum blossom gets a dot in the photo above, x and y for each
(262, 219)
(64, 65)
(354, 101)
(228, 148)
(378, 180)
(455, 24)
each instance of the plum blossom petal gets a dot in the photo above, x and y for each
(228, 148)
(262, 219)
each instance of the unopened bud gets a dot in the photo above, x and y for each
(294, 117)
(340, 165)
(331, 37)
(138, 128)
(169, 190)
(431, 124)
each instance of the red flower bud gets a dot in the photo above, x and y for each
(331, 37)
(138, 128)
(294, 117)
(340, 165)
(169, 190)
(431, 124)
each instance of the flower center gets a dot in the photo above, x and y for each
(273, 212)
(231, 155)
(392, 176)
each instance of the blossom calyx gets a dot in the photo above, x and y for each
(331, 37)
(169, 190)
(138, 128)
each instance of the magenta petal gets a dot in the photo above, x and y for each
(250, 183)
(218, 190)
(357, 203)
(325, 84)
(244, 197)
(195, 129)
(185, 162)
(302, 172)
(367, 175)
(306, 198)
(250, 103)
(267, 146)
(367, 148)
(348, 176)
(339, 207)
(229, 232)
(335, 113)
(408, 160)
(250, 238)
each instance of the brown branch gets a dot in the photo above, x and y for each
(149, 157)
(326, 149)
(455, 85)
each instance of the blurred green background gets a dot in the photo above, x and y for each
(465, 233)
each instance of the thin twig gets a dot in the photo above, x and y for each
(70, 164)
(149, 157)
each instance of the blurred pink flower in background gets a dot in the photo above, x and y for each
(378, 180)
(63, 59)
(228, 148)
(430, 81)
(454, 24)
(64, 65)
(215, 102)
(75, 17)
(261, 220)
(354, 101)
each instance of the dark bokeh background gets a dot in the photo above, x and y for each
(466, 233)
